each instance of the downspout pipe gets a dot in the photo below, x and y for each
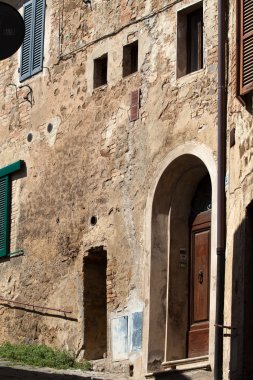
(221, 198)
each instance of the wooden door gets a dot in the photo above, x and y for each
(198, 332)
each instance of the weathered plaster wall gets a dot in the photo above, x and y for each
(94, 162)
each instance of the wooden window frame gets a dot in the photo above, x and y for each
(199, 41)
(184, 34)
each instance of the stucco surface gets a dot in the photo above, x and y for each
(92, 161)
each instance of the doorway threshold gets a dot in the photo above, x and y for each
(174, 367)
(200, 362)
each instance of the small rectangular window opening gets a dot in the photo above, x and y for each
(190, 40)
(100, 71)
(130, 58)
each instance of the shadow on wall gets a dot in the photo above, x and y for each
(171, 375)
(16, 374)
(241, 364)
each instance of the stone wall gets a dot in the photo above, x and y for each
(85, 158)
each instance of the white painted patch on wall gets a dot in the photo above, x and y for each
(126, 335)
(135, 327)
(119, 331)
(51, 130)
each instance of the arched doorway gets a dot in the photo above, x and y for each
(179, 222)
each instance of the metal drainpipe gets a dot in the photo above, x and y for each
(221, 199)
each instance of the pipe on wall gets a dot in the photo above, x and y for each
(221, 197)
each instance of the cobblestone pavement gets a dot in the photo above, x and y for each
(8, 372)
(177, 375)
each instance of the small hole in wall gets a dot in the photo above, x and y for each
(131, 370)
(29, 137)
(49, 127)
(93, 220)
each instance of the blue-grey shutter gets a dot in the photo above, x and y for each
(32, 48)
(38, 36)
(25, 67)
(4, 215)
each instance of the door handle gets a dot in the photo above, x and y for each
(200, 276)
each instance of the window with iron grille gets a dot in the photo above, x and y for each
(32, 49)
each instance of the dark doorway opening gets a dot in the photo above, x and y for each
(95, 310)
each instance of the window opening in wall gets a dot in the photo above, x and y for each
(95, 302)
(100, 71)
(130, 58)
(190, 40)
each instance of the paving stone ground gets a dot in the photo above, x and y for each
(17, 372)
(8, 371)
(177, 375)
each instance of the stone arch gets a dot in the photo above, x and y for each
(167, 232)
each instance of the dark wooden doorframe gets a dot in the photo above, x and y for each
(199, 285)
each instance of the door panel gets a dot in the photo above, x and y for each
(200, 276)
(198, 333)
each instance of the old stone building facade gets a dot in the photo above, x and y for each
(108, 186)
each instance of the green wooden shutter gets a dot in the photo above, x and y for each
(32, 48)
(4, 215)
(246, 46)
